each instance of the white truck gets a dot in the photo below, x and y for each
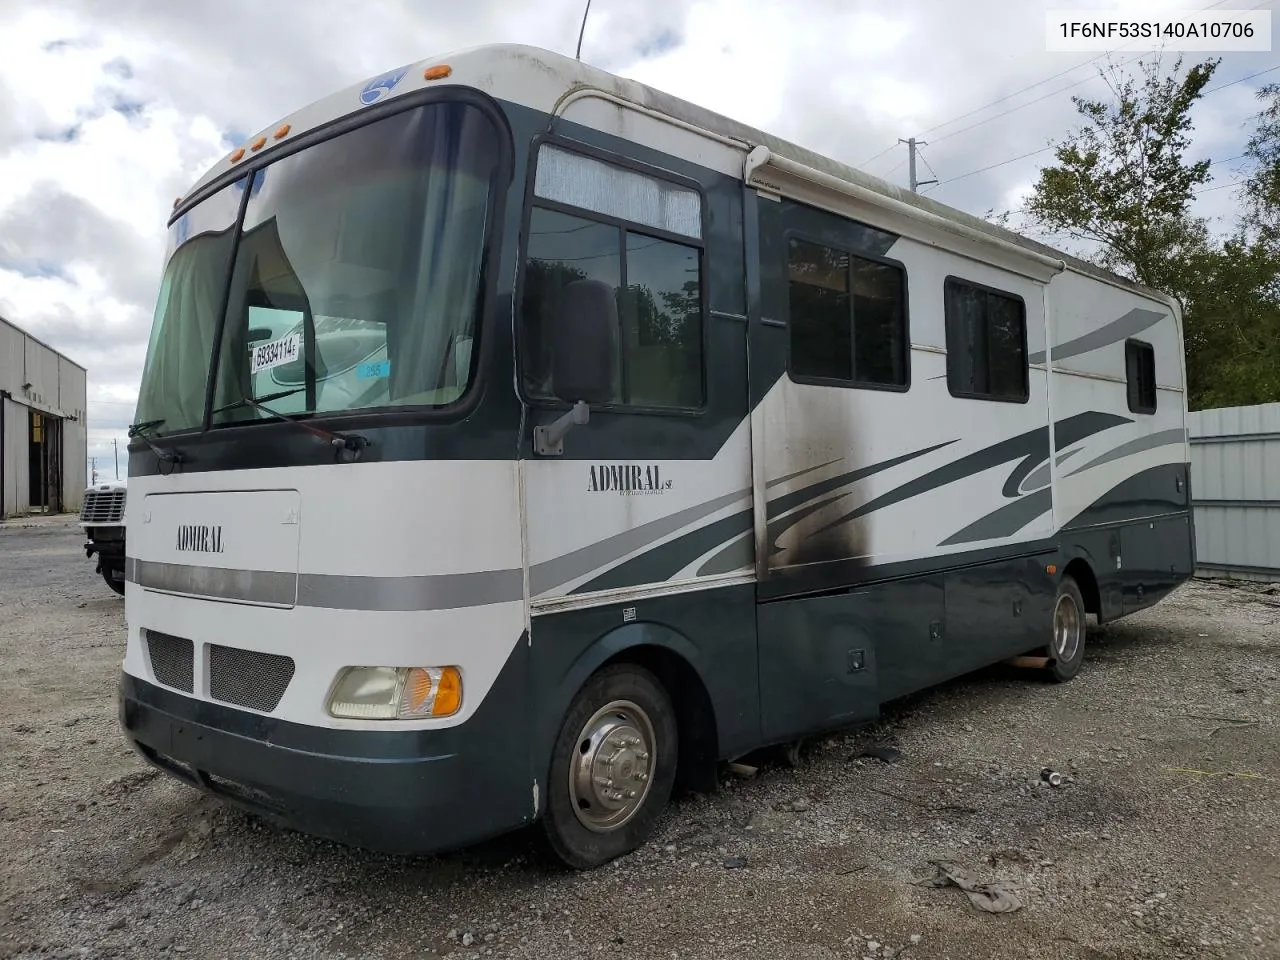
(102, 519)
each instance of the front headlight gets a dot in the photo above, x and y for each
(396, 693)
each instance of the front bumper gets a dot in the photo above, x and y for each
(110, 552)
(406, 792)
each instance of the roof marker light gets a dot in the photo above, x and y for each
(258, 144)
(176, 201)
(237, 155)
(438, 72)
(282, 132)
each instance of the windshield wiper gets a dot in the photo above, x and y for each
(342, 442)
(246, 401)
(140, 430)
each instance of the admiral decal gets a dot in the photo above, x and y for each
(627, 479)
(199, 538)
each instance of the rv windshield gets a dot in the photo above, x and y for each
(355, 281)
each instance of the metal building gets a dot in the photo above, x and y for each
(1235, 490)
(43, 438)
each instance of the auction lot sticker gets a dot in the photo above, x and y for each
(273, 354)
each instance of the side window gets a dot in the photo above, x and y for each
(848, 318)
(986, 343)
(1140, 372)
(643, 237)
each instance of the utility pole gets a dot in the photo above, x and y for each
(912, 143)
(115, 446)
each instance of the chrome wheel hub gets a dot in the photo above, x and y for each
(612, 766)
(1067, 627)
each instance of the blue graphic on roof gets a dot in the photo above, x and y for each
(258, 177)
(375, 88)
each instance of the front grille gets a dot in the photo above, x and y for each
(102, 506)
(172, 659)
(248, 678)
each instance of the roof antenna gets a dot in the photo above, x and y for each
(583, 30)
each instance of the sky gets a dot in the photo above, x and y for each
(110, 110)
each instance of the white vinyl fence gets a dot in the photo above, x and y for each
(1235, 490)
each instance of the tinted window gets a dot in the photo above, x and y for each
(356, 281)
(658, 283)
(848, 318)
(662, 315)
(561, 249)
(986, 343)
(1140, 371)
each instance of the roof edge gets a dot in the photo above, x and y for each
(54, 350)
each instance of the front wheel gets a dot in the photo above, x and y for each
(114, 577)
(1066, 645)
(612, 769)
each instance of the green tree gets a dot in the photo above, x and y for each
(1122, 182)
(1262, 188)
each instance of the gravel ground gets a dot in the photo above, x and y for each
(1139, 853)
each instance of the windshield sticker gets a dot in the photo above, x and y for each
(374, 371)
(275, 353)
(375, 88)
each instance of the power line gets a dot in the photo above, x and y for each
(992, 166)
(1221, 86)
(1023, 106)
(1221, 186)
(880, 154)
(1241, 80)
(1032, 86)
(1055, 76)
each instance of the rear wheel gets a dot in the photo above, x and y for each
(1066, 644)
(114, 577)
(612, 769)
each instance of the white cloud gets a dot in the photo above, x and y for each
(109, 111)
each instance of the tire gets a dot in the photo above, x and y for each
(586, 822)
(114, 582)
(1067, 632)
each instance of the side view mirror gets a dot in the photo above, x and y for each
(584, 337)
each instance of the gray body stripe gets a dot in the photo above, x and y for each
(1135, 321)
(738, 554)
(1004, 522)
(433, 592)
(552, 573)
(1040, 476)
(444, 591)
(222, 583)
(1160, 438)
(330, 591)
(1037, 478)
(789, 501)
(800, 473)
(449, 591)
